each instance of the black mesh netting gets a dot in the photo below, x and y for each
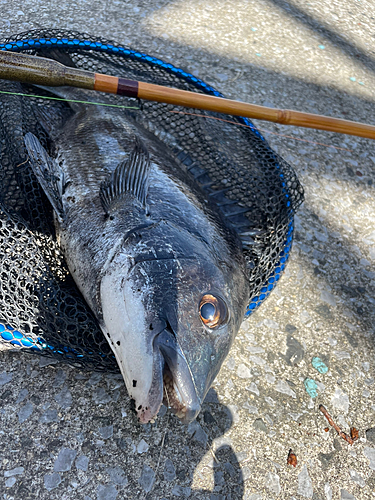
(40, 306)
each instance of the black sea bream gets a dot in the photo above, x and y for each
(158, 265)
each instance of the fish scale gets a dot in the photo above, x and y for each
(241, 173)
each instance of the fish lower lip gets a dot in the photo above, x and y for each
(172, 397)
(179, 389)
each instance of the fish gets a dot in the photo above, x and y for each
(156, 261)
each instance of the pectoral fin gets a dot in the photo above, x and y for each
(48, 173)
(131, 177)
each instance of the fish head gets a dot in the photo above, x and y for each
(170, 316)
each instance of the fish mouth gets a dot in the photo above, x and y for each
(172, 397)
(173, 381)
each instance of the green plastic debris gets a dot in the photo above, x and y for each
(311, 387)
(352, 79)
(319, 365)
(322, 47)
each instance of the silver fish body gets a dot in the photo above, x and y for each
(156, 262)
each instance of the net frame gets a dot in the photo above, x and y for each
(41, 309)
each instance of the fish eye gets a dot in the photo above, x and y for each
(212, 310)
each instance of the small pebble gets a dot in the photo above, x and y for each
(342, 355)
(328, 298)
(271, 324)
(10, 482)
(326, 458)
(370, 454)
(269, 401)
(273, 483)
(64, 398)
(82, 462)
(48, 416)
(142, 447)
(181, 491)
(259, 425)
(106, 492)
(230, 469)
(169, 471)
(283, 387)
(340, 401)
(231, 363)
(366, 366)
(95, 378)
(269, 378)
(354, 476)
(305, 488)
(59, 378)
(25, 412)
(51, 481)
(253, 388)
(319, 365)
(243, 371)
(252, 409)
(100, 396)
(370, 435)
(117, 475)
(197, 433)
(64, 460)
(14, 472)
(328, 491)
(345, 495)
(311, 387)
(106, 432)
(147, 478)
(295, 351)
(22, 395)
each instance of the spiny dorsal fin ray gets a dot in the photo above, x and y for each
(231, 210)
(48, 173)
(130, 177)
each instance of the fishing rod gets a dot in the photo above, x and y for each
(43, 71)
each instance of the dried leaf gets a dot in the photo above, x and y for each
(292, 459)
(354, 433)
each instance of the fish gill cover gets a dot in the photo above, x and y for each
(41, 309)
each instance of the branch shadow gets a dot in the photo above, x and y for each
(333, 36)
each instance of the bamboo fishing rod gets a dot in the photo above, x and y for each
(43, 71)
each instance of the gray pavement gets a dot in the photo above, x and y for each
(67, 434)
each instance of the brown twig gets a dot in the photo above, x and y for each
(335, 426)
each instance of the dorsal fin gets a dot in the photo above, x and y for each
(48, 173)
(129, 178)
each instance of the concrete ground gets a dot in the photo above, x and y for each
(67, 434)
